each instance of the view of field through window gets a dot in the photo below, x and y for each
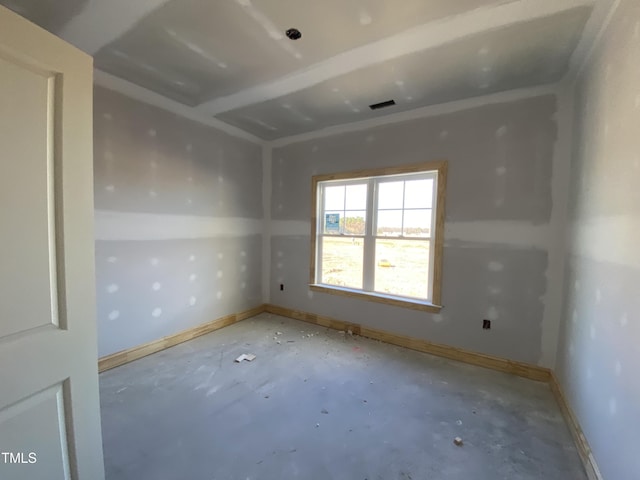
(402, 219)
(402, 268)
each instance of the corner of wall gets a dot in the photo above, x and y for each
(558, 229)
(266, 228)
(600, 20)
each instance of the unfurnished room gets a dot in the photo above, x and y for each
(296, 239)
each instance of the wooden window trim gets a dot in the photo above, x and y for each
(440, 167)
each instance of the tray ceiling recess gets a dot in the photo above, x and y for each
(277, 68)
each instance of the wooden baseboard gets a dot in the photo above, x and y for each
(521, 369)
(584, 450)
(131, 354)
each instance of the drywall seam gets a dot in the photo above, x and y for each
(560, 181)
(267, 224)
(101, 22)
(415, 39)
(291, 228)
(607, 239)
(423, 112)
(137, 92)
(122, 226)
(600, 19)
(505, 233)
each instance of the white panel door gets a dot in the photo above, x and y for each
(49, 406)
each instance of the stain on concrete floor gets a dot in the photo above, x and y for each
(324, 405)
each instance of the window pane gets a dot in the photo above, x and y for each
(417, 223)
(418, 193)
(354, 223)
(390, 194)
(389, 223)
(332, 222)
(342, 260)
(356, 197)
(334, 198)
(402, 267)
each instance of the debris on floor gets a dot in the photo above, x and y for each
(278, 333)
(457, 441)
(249, 357)
(339, 381)
(325, 411)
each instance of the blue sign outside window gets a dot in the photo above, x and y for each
(332, 223)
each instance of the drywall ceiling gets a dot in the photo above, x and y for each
(51, 15)
(231, 59)
(197, 50)
(531, 53)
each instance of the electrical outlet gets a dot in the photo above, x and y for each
(486, 324)
(281, 287)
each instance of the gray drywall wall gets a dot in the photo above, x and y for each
(178, 222)
(497, 235)
(599, 349)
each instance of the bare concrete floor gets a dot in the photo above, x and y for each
(326, 406)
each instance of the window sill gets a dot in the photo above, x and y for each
(377, 297)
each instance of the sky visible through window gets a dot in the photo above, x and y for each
(404, 208)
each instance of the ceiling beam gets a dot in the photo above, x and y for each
(137, 92)
(101, 22)
(593, 31)
(421, 112)
(412, 40)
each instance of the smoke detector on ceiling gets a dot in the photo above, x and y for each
(293, 34)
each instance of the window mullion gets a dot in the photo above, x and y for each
(369, 247)
(404, 186)
(319, 234)
(432, 232)
(430, 280)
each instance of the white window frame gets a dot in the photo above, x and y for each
(373, 178)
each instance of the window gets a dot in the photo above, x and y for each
(377, 234)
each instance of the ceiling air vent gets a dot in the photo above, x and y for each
(377, 106)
